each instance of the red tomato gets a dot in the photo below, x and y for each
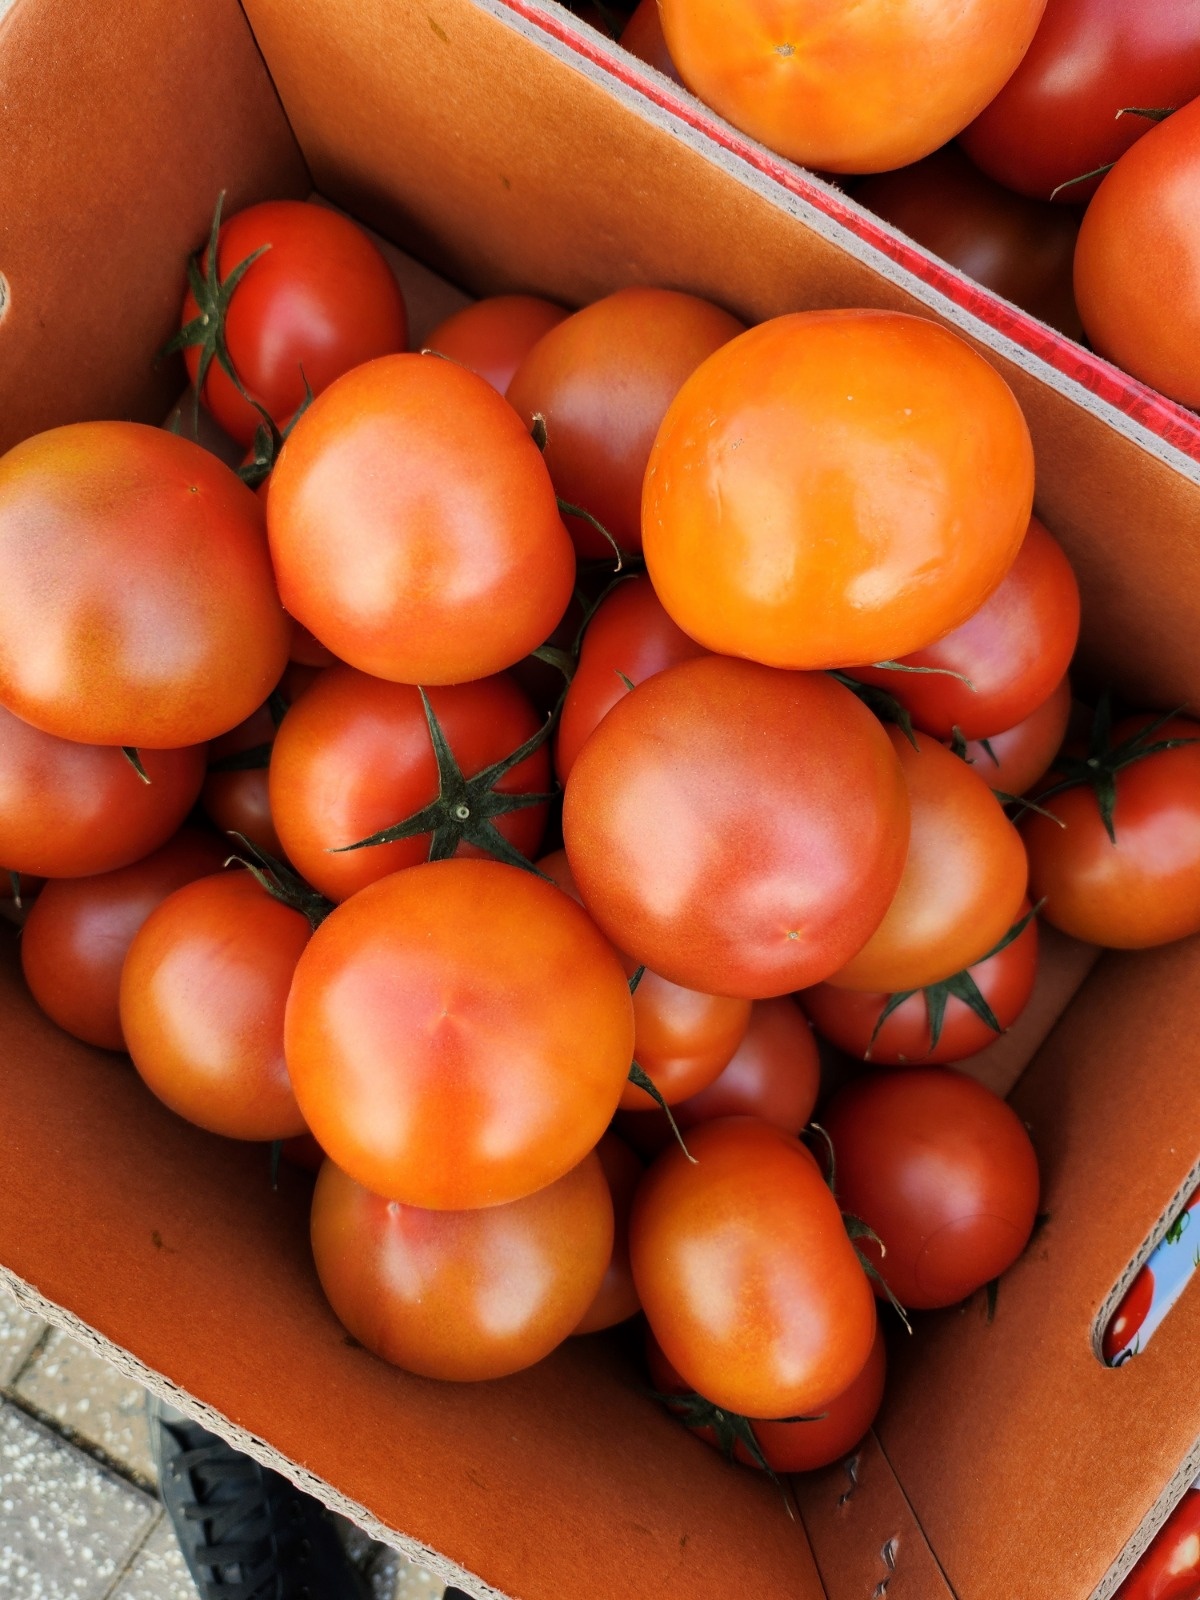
(235, 797)
(1144, 889)
(617, 1298)
(79, 929)
(1018, 248)
(835, 487)
(643, 37)
(463, 1295)
(1057, 116)
(428, 1027)
(860, 88)
(1170, 1567)
(806, 1443)
(493, 336)
(849, 1018)
(746, 1273)
(69, 809)
(139, 605)
(964, 879)
(1011, 763)
(738, 830)
(1014, 651)
(942, 1170)
(630, 636)
(1129, 1315)
(1137, 264)
(318, 300)
(414, 528)
(603, 380)
(356, 756)
(203, 991)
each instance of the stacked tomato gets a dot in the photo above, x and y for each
(814, 649)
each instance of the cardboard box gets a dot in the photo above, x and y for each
(497, 142)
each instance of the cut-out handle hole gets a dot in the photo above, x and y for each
(1165, 1273)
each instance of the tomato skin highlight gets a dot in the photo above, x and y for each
(835, 487)
(746, 1274)
(413, 525)
(1020, 757)
(493, 336)
(1169, 1568)
(463, 1295)
(617, 1298)
(1129, 1315)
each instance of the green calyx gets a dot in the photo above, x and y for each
(885, 706)
(131, 755)
(856, 1228)
(540, 435)
(280, 882)
(269, 440)
(729, 1428)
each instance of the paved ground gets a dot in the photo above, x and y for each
(78, 1516)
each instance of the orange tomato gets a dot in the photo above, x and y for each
(617, 1297)
(493, 336)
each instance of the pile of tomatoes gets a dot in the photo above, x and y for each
(492, 786)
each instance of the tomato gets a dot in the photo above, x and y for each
(859, 88)
(463, 1295)
(79, 929)
(746, 1273)
(69, 809)
(1137, 263)
(850, 1018)
(493, 336)
(603, 380)
(203, 991)
(1144, 888)
(235, 796)
(617, 1298)
(630, 636)
(1011, 763)
(356, 755)
(318, 300)
(1129, 1316)
(801, 1445)
(1057, 117)
(139, 605)
(1018, 248)
(413, 525)
(643, 37)
(1169, 1569)
(964, 879)
(429, 1026)
(942, 1170)
(738, 830)
(835, 487)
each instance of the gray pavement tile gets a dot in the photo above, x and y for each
(20, 1330)
(72, 1386)
(67, 1525)
(159, 1571)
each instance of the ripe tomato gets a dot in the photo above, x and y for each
(1057, 116)
(1129, 1315)
(964, 879)
(1137, 263)
(603, 380)
(413, 525)
(737, 829)
(802, 1445)
(1011, 763)
(493, 336)
(79, 929)
(1018, 248)
(318, 299)
(630, 636)
(942, 1170)
(463, 1295)
(835, 487)
(849, 1018)
(1169, 1569)
(1143, 888)
(859, 88)
(617, 1298)
(203, 991)
(139, 605)
(428, 1027)
(356, 755)
(746, 1273)
(643, 37)
(235, 795)
(69, 809)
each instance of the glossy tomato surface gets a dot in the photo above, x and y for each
(78, 931)
(235, 796)
(1129, 1315)
(617, 1297)
(1010, 763)
(942, 1170)
(964, 877)
(140, 607)
(459, 1034)
(463, 1295)
(413, 525)
(1170, 1567)
(836, 487)
(493, 336)
(737, 829)
(602, 380)
(643, 37)
(746, 1273)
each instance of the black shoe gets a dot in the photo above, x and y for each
(246, 1533)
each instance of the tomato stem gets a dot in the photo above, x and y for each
(135, 761)
(642, 1079)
